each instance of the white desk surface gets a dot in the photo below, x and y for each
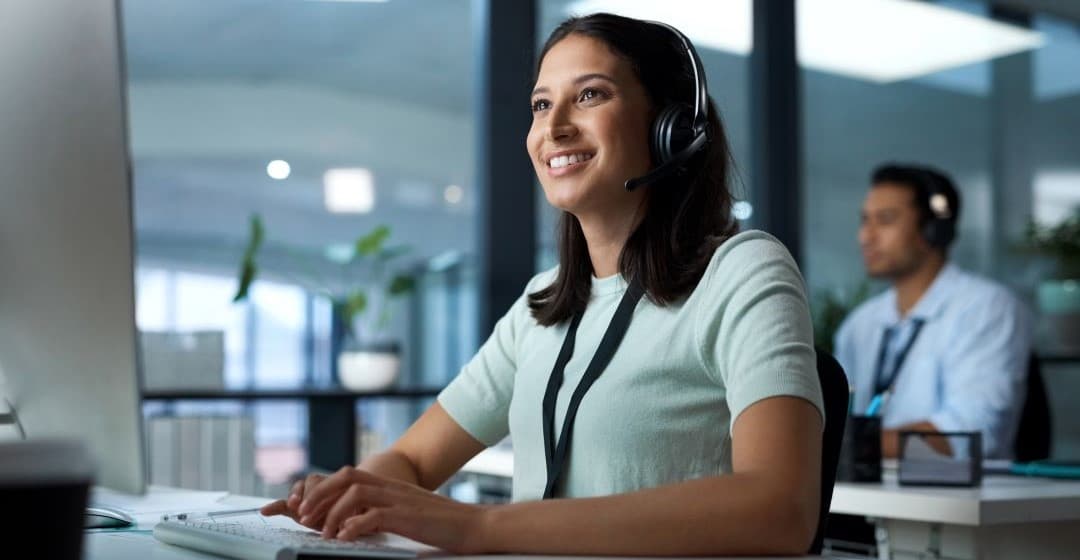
(1000, 500)
(140, 544)
(143, 546)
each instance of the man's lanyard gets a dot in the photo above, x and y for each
(884, 383)
(557, 455)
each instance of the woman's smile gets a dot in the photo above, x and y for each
(562, 163)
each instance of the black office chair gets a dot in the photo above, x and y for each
(1033, 435)
(834, 390)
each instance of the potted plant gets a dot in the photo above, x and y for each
(1058, 294)
(361, 289)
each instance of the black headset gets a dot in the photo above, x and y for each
(940, 227)
(679, 131)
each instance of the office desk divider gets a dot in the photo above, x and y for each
(923, 461)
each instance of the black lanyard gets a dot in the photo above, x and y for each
(885, 383)
(556, 455)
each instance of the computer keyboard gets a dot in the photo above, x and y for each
(264, 542)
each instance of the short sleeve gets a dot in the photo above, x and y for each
(754, 325)
(478, 399)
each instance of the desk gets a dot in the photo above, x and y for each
(143, 546)
(1008, 517)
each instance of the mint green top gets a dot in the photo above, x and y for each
(663, 409)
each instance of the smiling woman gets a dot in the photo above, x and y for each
(659, 385)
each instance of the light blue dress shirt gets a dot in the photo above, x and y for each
(966, 369)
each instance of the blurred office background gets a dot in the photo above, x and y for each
(242, 107)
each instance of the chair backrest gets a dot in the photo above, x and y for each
(834, 390)
(1033, 435)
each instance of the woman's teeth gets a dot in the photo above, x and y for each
(563, 161)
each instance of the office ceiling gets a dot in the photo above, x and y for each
(220, 87)
(413, 51)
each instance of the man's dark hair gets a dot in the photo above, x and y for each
(924, 182)
(687, 217)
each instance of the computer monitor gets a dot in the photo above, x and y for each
(67, 311)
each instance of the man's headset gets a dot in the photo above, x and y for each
(679, 131)
(940, 227)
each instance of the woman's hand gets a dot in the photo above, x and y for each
(291, 505)
(353, 502)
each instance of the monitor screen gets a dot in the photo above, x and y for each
(67, 308)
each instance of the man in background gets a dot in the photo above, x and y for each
(943, 349)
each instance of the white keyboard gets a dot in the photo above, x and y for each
(263, 542)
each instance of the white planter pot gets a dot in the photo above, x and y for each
(365, 371)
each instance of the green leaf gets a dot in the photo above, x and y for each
(372, 243)
(401, 284)
(355, 304)
(257, 231)
(255, 237)
(248, 268)
(248, 271)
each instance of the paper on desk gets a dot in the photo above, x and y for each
(148, 508)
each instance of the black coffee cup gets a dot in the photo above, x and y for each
(860, 452)
(44, 487)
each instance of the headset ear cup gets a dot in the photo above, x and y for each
(939, 233)
(672, 131)
(930, 234)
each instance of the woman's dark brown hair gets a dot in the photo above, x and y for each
(687, 216)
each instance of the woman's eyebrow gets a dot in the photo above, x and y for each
(580, 79)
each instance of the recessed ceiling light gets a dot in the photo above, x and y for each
(876, 40)
(278, 169)
(453, 194)
(349, 191)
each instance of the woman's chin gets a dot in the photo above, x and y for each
(565, 201)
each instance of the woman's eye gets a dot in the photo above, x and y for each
(540, 105)
(588, 94)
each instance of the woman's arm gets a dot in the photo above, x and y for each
(429, 453)
(768, 505)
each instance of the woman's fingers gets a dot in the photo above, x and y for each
(346, 506)
(277, 507)
(357, 499)
(296, 495)
(290, 506)
(321, 498)
(310, 482)
(367, 523)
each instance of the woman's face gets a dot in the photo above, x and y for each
(590, 128)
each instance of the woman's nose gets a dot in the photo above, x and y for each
(560, 126)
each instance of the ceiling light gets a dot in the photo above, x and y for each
(877, 40)
(453, 194)
(278, 169)
(349, 191)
